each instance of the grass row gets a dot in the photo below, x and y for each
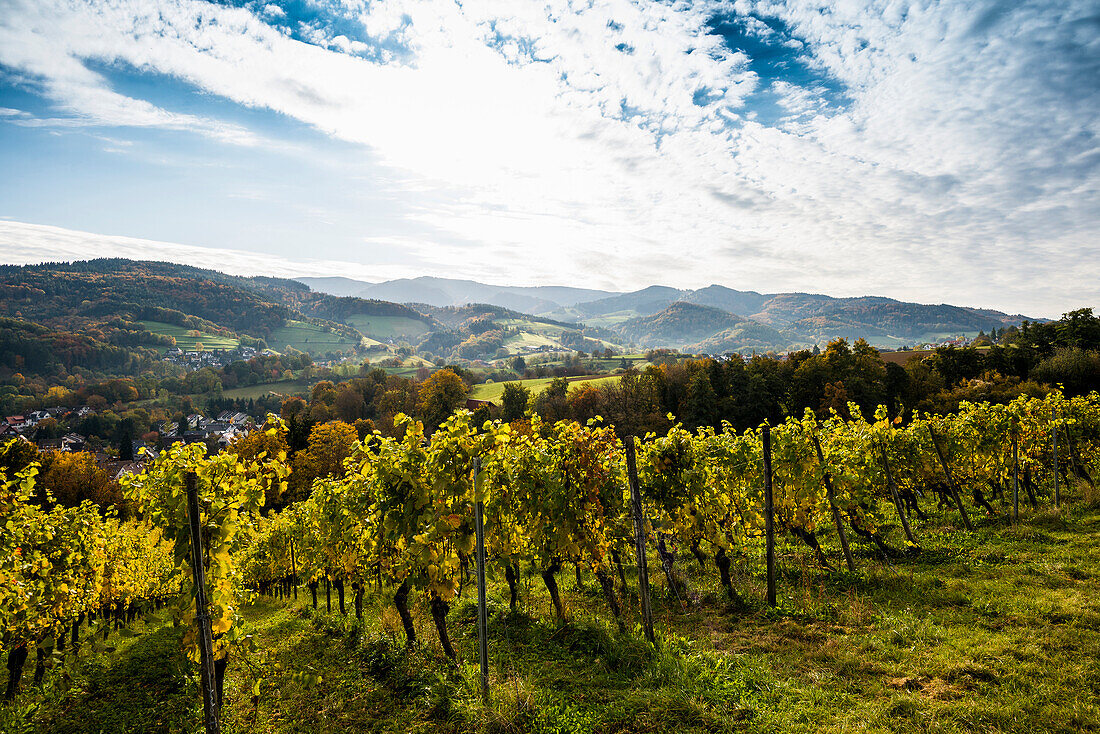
(495, 390)
(995, 631)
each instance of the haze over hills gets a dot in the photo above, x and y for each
(687, 325)
(132, 306)
(451, 292)
(793, 318)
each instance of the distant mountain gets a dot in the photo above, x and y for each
(683, 324)
(727, 299)
(805, 312)
(645, 302)
(805, 318)
(801, 318)
(336, 286)
(453, 292)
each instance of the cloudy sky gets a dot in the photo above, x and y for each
(929, 151)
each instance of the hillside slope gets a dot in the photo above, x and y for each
(683, 324)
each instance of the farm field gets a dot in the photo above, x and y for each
(388, 327)
(186, 342)
(283, 387)
(494, 390)
(537, 327)
(611, 320)
(307, 337)
(519, 343)
(994, 631)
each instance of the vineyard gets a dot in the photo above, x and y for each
(376, 553)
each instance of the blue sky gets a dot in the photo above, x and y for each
(930, 151)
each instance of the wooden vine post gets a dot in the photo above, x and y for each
(897, 499)
(293, 570)
(1015, 477)
(837, 519)
(202, 618)
(639, 538)
(1054, 439)
(482, 612)
(950, 479)
(769, 514)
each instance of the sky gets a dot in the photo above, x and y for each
(939, 152)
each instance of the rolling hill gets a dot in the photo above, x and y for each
(114, 301)
(442, 292)
(800, 318)
(685, 325)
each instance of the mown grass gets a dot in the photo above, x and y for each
(186, 341)
(308, 337)
(495, 390)
(994, 631)
(388, 327)
(282, 387)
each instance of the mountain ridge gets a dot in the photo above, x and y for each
(806, 318)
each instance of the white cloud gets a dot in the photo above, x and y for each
(22, 243)
(569, 145)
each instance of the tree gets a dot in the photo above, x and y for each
(552, 403)
(74, 477)
(1076, 369)
(701, 402)
(292, 408)
(349, 404)
(439, 395)
(15, 455)
(329, 444)
(513, 403)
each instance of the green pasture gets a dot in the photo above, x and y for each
(494, 390)
(282, 387)
(186, 339)
(388, 327)
(306, 337)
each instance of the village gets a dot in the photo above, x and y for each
(130, 457)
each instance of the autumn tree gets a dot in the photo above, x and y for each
(513, 403)
(72, 478)
(552, 403)
(439, 395)
(261, 445)
(329, 444)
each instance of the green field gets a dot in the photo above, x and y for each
(185, 341)
(388, 327)
(537, 327)
(612, 319)
(307, 337)
(494, 390)
(282, 387)
(519, 343)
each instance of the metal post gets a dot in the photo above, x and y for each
(1054, 436)
(202, 619)
(639, 538)
(1015, 477)
(482, 612)
(769, 514)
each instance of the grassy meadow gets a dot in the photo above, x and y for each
(282, 387)
(186, 341)
(494, 390)
(388, 327)
(994, 631)
(307, 337)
